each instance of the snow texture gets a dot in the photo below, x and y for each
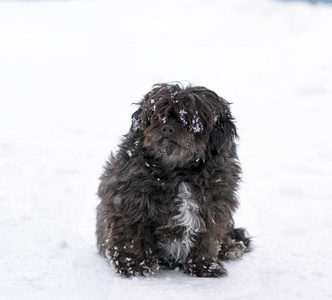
(69, 71)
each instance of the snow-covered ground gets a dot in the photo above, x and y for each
(69, 71)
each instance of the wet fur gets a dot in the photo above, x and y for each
(168, 201)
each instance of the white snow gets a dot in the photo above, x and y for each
(69, 71)
(182, 112)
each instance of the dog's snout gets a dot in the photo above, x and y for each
(167, 130)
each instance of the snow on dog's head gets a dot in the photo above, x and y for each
(180, 124)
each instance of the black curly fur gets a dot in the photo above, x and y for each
(168, 194)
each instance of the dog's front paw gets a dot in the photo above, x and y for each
(129, 268)
(213, 268)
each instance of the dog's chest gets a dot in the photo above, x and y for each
(186, 220)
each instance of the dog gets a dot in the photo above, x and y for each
(168, 194)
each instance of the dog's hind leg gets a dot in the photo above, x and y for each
(235, 243)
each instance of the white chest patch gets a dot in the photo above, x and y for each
(188, 218)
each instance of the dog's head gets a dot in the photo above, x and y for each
(183, 124)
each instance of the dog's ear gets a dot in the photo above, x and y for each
(136, 120)
(223, 132)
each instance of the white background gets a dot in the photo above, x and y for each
(69, 72)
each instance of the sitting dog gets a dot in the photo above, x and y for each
(168, 194)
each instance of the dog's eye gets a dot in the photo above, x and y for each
(172, 115)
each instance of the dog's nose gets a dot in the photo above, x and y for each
(167, 130)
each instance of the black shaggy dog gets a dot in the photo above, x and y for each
(168, 195)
